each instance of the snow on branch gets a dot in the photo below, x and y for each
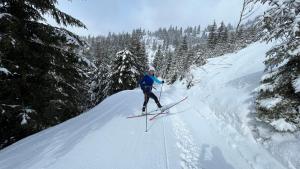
(270, 102)
(282, 125)
(4, 71)
(296, 84)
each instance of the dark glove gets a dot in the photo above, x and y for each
(162, 82)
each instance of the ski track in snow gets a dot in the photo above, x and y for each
(165, 144)
(220, 131)
(185, 143)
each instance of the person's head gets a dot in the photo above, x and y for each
(151, 71)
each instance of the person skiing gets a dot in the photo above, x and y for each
(146, 85)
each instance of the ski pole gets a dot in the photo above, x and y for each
(161, 87)
(146, 120)
(160, 91)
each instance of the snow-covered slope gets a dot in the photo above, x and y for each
(149, 42)
(210, 130)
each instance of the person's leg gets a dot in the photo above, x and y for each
(146, 99)
(152, 95)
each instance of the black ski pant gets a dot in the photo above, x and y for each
(152, 96)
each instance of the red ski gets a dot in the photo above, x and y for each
(167, 107)
(157, 114)
(140, 115)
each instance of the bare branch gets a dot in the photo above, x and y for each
(247, 11)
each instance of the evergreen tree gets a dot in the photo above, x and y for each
(168, 64)
(137, 48)
(204, 36)
(154, 45)
(222, 39)
(200, 58)
(198, 30)
(182, 57)
(99, 79)
(124, 73)
(240, 37)
(212, 37)
(173, 73)
(158, 61)
(282, 63)
(46, 81)
(143, 58)
(187, 62)
(194, 33)
(222, 34)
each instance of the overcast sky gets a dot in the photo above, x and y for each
(103, 16)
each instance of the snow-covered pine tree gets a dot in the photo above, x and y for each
(45, 84)
(222, 39)
(143, 58)
(125, 74)
(137, 48)
(204, 36)
(158, 61)
(87, 68)
(251, 32)
(279, 96)
(182, 58)
(198, 29)
(173, 73)
(240, 38)
(200, 58)
(168, 64)
(222, 36)
(194, 33)
(99, 81)
(187, 62)
(154, 45)
(212, 36)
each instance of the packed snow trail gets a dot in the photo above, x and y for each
(210, 130)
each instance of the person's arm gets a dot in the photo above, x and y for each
(141, 83)
(156, 80)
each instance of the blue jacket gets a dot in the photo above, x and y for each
(147, 82)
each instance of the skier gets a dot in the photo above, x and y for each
(146, 85)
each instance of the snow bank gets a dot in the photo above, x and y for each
(282, 125)
(296, 84)
(222, 96)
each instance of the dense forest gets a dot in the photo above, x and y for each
(171, 51)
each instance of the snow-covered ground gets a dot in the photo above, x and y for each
(213, 129)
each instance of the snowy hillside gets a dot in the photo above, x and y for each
(212, 129)
(150, 49)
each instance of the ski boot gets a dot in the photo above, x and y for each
(143, 110)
